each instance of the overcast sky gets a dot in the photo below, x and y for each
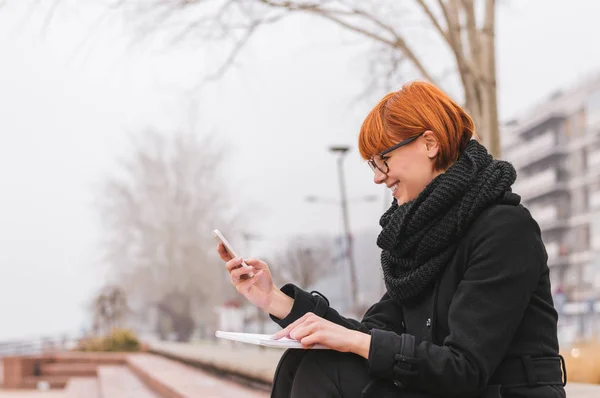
(71, 92)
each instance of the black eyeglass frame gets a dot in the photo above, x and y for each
(382, 154)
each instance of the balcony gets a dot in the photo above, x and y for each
(557, 253)
(531, 187)
(594, 200)
(553, 250)
(548, 217)
(591, 176)
(534, 150)
(593, 159)
(595, 242)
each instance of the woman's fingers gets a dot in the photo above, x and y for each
(310, 340)
(223, 253)
(303, 330)
(244, 286)
(233, 264)
(286, 331)
(238, 273)
(256, 263)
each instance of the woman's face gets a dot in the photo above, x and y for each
(410, 168)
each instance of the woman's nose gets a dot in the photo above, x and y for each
(379, 177)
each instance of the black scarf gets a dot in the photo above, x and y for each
(419, 237)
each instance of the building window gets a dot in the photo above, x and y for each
(595, 233)
(577, 123)
(581, 126)
(594, 199)
(567, 127)
(593, 158)
(592, 107)
(591, 274)
(585, 237)
(572, 277)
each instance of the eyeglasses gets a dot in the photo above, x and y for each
(379, 161)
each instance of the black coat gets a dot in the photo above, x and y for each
(488, 328)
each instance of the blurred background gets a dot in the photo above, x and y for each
(130, 129)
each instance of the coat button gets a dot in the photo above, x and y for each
(428, 322)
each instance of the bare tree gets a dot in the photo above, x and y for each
(304, 261)
(464, 30)
(176, 307)
(109, 308)
(158, 216)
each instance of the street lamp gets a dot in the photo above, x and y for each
(341, 151)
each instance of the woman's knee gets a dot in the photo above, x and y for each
(286, 372)
(291, 359)
(332, 370)
(327, 359)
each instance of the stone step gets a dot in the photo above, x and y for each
(82, 387)
(171, 379)
(101, 358)
(117, 381)
(69, 369)
(53, 381)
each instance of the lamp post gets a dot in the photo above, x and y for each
(330, 201)
(248, 238)
(341, 152)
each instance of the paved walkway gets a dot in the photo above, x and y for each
(576, 390)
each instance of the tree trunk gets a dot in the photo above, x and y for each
(476, 63)
(489, 42)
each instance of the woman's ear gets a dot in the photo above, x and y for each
(432, 145)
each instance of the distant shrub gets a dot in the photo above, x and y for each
(118, 340)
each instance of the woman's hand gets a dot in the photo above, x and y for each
(259, 289)
(312, 329)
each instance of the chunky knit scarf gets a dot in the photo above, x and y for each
(419, 237)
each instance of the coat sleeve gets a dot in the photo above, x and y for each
(384, 315)
(505, 263)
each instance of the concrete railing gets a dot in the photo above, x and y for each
(227, 358)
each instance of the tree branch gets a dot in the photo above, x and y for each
(202, 21)
(239, 46)
(435, 22)
(376, 21)
(397, 42)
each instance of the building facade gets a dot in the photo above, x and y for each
(555, 148)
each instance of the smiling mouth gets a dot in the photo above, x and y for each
(394, 187)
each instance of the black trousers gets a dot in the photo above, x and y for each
(333, 374)
(320, 373)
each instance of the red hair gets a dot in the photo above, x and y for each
(417, 107)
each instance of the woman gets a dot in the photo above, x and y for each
(468, 310)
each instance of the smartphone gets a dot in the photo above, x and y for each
(220, 238)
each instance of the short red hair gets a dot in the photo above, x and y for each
(417, 107)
